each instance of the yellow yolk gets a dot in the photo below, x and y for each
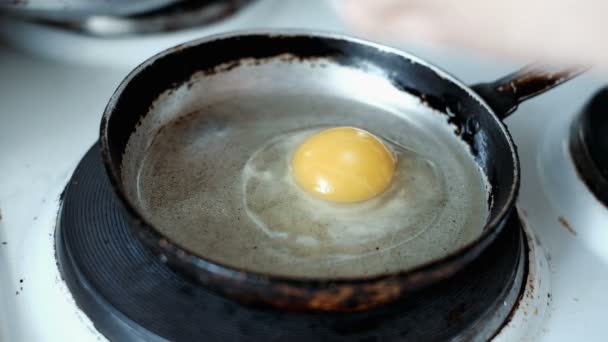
(344, 165)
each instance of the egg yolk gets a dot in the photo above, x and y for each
(344, 165)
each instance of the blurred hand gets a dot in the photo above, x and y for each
(566, 31)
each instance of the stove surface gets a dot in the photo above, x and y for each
(53, 90)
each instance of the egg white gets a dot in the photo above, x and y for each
(312, 227)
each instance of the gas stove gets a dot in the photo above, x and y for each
(56, 82)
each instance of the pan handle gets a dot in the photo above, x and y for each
(505, 94)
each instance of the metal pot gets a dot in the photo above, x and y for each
(82, 8)
(474, 113)
(119, 18)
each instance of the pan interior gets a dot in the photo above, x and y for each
(184, 164)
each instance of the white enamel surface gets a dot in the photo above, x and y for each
(587, 216)
(52, 95)
(578, 274)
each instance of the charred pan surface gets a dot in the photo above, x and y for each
(343, 295)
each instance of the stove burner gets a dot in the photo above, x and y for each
(178, 16)
(589, 145)
(131, 296)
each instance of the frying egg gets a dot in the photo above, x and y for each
(344, 165)
(340, 192)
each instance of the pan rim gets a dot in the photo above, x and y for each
(472, 248)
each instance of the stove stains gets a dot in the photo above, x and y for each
(566, 225)
(20, 287)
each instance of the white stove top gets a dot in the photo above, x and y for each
(53, 90)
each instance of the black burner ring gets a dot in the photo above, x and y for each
(589, 145)
(131, 296)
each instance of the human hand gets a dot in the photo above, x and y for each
(564, 31)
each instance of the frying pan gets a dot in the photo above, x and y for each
(255, 61)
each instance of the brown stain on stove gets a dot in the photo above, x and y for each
(562, 220)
